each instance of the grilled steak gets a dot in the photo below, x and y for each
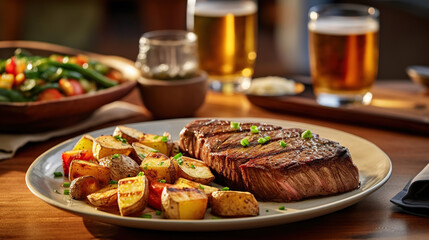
(304, 168)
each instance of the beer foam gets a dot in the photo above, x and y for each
(222, 8)
(343, 25)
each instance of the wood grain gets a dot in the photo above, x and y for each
(24, 216)
(395, 105)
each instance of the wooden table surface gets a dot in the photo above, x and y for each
(24, 216)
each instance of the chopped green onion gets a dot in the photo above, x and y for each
(145, 166)
(156, 137)
(123, 140)
(56, 191)
(264, 140)
(162, 181)
(192, 166)
(113, 182)
(225, 189)
(283, 144)
(66, 184)
(154, 150)
(157, 212)
(201, 186)
(58, 174)
(282, 208)
(66, 192)
(160, 163)
(244, 142)
(214, 218)
(235, 125)
(164, 139)
(254, 129)
(180, 161)
(141, 155)
(146, 216)
(140, 174)
(115, 156)
(306, 134)
(177, 156)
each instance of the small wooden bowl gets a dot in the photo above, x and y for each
(173, 98)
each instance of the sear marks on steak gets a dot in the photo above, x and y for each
(304, 168)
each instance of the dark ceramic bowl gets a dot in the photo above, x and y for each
(49, 115)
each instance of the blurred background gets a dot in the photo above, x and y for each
(113, 27)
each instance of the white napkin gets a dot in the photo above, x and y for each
(9, 143)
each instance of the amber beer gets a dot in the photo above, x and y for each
(343, 56)
(226, 38)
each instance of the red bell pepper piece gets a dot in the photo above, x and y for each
(11, 65)
(49, 94)
(155, 191)
(69, 156)
(59, 58)
(115, 75)
(81, 59)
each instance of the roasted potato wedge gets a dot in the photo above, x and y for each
(133, 194)
(233, 204)
(157, 166)
(140, 152)
(108, 145)
(127, 133)
(84, 143)
(182, 182)
(83, 186)
(105, 197)
(80, 168)
(193, 169)
(161, 143)
(121, 166)
(183, 203)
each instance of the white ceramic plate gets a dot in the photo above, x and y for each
(374, 168)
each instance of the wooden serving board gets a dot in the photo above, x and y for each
(400, 105)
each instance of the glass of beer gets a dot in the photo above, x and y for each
(343, 46)
(226, 31)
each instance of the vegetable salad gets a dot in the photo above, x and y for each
(26, 78)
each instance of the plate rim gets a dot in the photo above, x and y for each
(218, 224)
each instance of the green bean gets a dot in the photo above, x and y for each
(2, 65)
(41, 88)
(88, 73)
(32, 73)
(71, 74)
(12, 95)
(101, 68)
(4, 99)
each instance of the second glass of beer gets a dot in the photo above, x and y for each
(226, 33)
(343, 44)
